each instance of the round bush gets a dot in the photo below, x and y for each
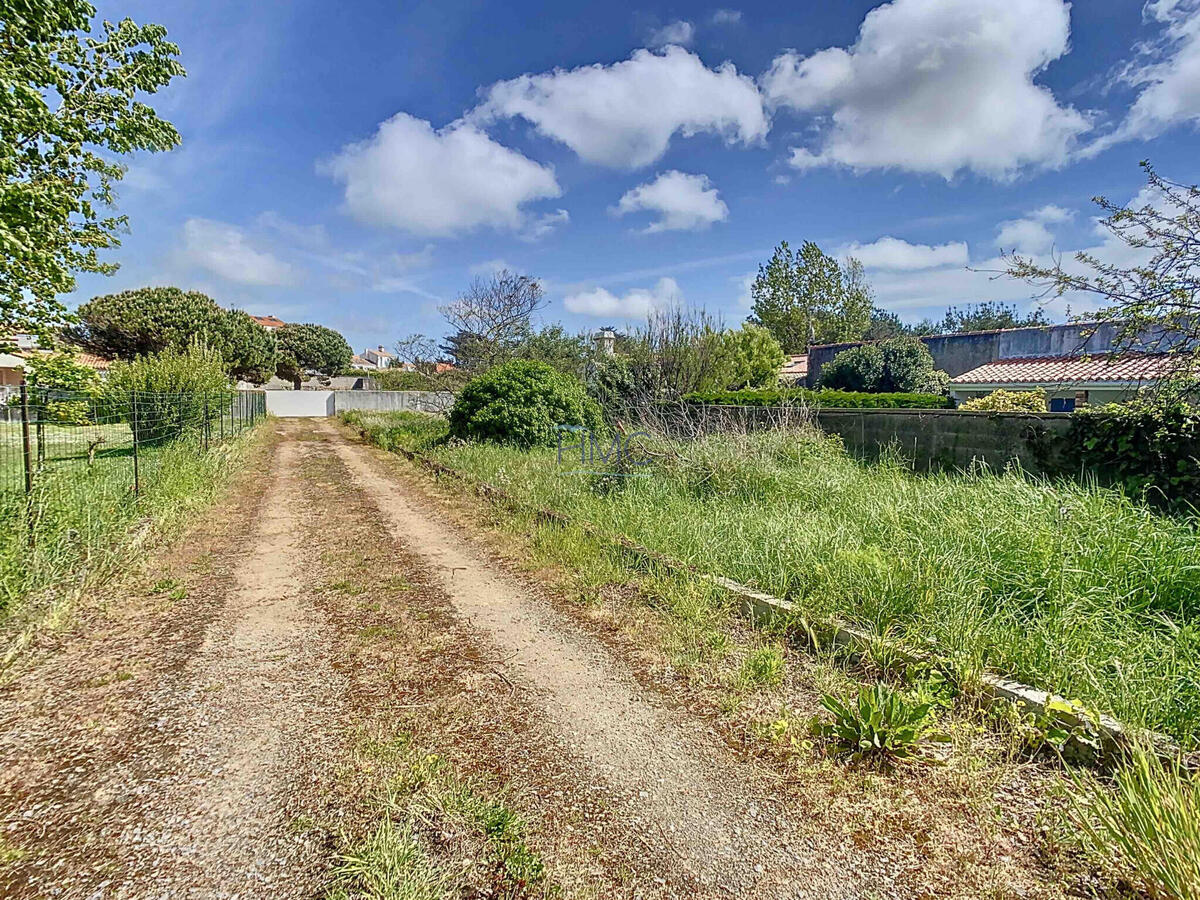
(521, 402)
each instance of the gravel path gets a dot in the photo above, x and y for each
(174, 746)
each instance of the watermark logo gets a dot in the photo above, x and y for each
(597, 456)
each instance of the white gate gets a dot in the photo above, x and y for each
(300, 404)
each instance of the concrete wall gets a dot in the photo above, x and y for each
(393, 401)
(300, 404)
(952, 439)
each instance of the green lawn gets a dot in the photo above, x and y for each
(1068, 587)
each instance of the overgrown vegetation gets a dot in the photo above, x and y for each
(900, 364)
(1149, 819)
(521, 402)
(1150, 446)
(1071, 587)
(84, 514)
(828, 398)
(880, 726)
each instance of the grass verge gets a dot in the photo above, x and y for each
(89, 526)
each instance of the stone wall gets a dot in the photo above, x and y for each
(935, 439)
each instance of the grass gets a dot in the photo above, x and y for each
(1069, 587)
(1150, 819)
(437, 835)
(85, 515)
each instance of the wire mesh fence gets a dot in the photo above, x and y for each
(100, 450)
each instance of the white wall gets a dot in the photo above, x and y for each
(300, 404)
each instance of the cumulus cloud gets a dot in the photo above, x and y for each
(936, 86)
(436, 183)
(225, 250)
(624, 115)
(636, 304)
(1030, 234)
(1168, 73)
(683, 202)
(901, 256)
(680, 32)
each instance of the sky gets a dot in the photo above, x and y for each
(357, 164)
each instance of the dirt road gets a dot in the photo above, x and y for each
(197, 734)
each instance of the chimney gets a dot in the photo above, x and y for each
(606, 340)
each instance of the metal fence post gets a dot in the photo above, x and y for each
(205, 433)
(133, 424)
(28, 460)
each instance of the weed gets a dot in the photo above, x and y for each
(761, 668)
(881, 726)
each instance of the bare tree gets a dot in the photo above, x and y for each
(419, 352)
(493, 314)
(1154, 304)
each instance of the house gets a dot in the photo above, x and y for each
(373, 359)
(795, 369)
(12, 370)
(269, 322)
(1069, 381)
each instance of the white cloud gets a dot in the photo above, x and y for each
(726, 17)
(636, 304)
(545, 225)
(680, 32)
(308, 236)
(625, 115)
(1029, 235)
(683, 202)
(936, 86)
(488, 267)
(1168, 73)
(428, 182)
(898, 255)
(225, 250)
(418, 259)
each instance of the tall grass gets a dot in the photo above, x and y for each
(85, 515)
(1069, 587)
(1150, 820)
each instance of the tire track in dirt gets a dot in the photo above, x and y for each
(257, 708)
(184, 779)
(690, 792)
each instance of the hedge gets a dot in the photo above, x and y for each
(826, 398)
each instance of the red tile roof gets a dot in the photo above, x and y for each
(269, 321)
(1125, 369)
(795, 365)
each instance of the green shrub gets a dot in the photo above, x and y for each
(1148, 823)
(63, 389)
(881, 726)
(826, 398)
(746, 357)
(1009, 401)
(897, 365)
(856, 369)
(162, 396)
(1151, 447)
(521, 402)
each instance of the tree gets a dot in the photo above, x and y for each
(573, 354)
(746, 357)
(1154, 304)
(310, 348)
(987, 316)
(492, 316)
(902, 364)
(807, 298)
(151, 320)
(883, 325)
(419, 352)
(69, 109)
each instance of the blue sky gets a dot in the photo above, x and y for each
(355, 164)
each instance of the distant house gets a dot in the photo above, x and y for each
(1069, 381)
(269, 322)
(12, 365)
(795, 369)
(373, 359)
